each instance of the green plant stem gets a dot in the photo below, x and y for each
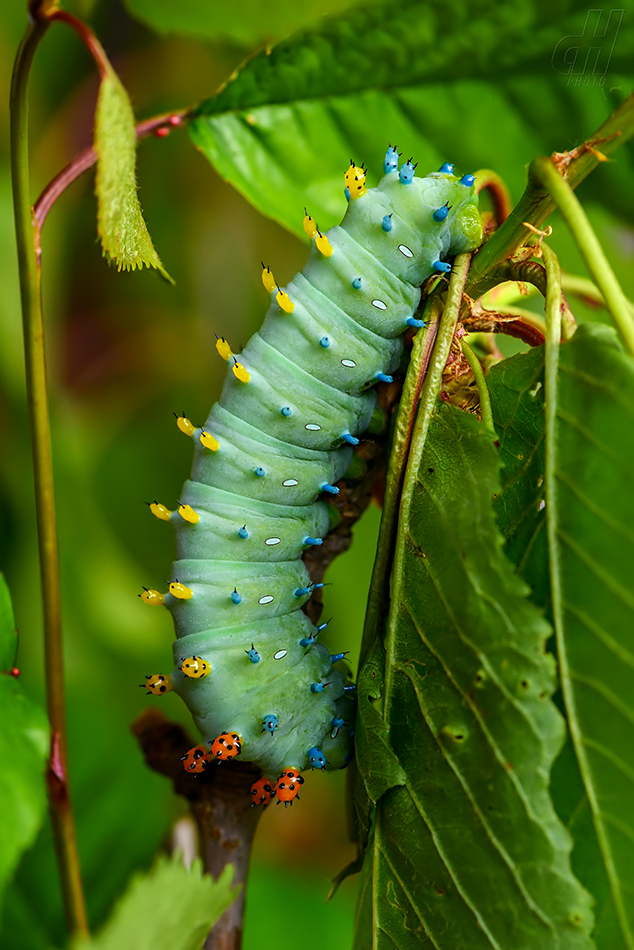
(406, 414)
(483, 389)
(29, 271)
(536, 204)
(589, 246)
(428, 400)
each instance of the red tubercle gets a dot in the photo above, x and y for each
(162, 132)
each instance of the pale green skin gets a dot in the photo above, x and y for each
(288, 367)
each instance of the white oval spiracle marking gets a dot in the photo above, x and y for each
(405, 251)
(290, 483)
(312, 427)
(272, 541)
(267, 599)
(379, 305)
(280, 654)
(350, 363)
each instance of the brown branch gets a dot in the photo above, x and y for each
(220, 804)
(487, 180)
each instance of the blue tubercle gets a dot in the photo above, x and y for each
(242, 532)
(259, 471)
(235, 596)
(441, 267)
(253, 654)
(337, 722)
(467, 180)
(406, 173)
(286, 411)
(325, 342)
(301, 591)
(386, 224)
(314, 541)
(318, 687)
(390, 162)
(349, 689)
(441, 213)
(338, 656)
(413, 322)
(329, 488)
(350, 439)
(307, 641)
(322, 626)
(384, 378)
(269, 724)
(356, 283)
(346, 192)
(446, 169)
(317, 759)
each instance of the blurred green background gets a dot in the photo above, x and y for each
(124, 352)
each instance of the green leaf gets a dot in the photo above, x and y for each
(469, 853)
(594, 510)
(171, 908)
(428, 77)
(23, 751)
(124, 235)
(517, 398)
(257, 21)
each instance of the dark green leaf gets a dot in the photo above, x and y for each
(171, 908)
(426, 76)
(255, 23)
(469, 853)
(594, 511)
(23, 751)
(123, 232)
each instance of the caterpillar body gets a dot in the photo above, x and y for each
(247, 662)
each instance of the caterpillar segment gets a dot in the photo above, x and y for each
(295, 402)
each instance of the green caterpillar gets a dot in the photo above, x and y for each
(247, 661)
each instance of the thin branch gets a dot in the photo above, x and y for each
(30, 290)
(587, 242)
(536, 204)
(378, 599)
(483, 389)
(488, 180)
(160, 126)
(221, 805)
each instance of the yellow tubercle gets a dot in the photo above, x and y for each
(223, 348)
(188, 513)
(160, 511)
(284, 301)
(208, 442)
(180, 591)
(355, 181)
(185, 425)
(195, 667)
(158, 684)
(323, 244)
(152, 597)
(240, 372)
(309, 225)
(268, 280)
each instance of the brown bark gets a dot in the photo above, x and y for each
(220, 804)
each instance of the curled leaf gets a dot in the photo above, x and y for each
(124, 235)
